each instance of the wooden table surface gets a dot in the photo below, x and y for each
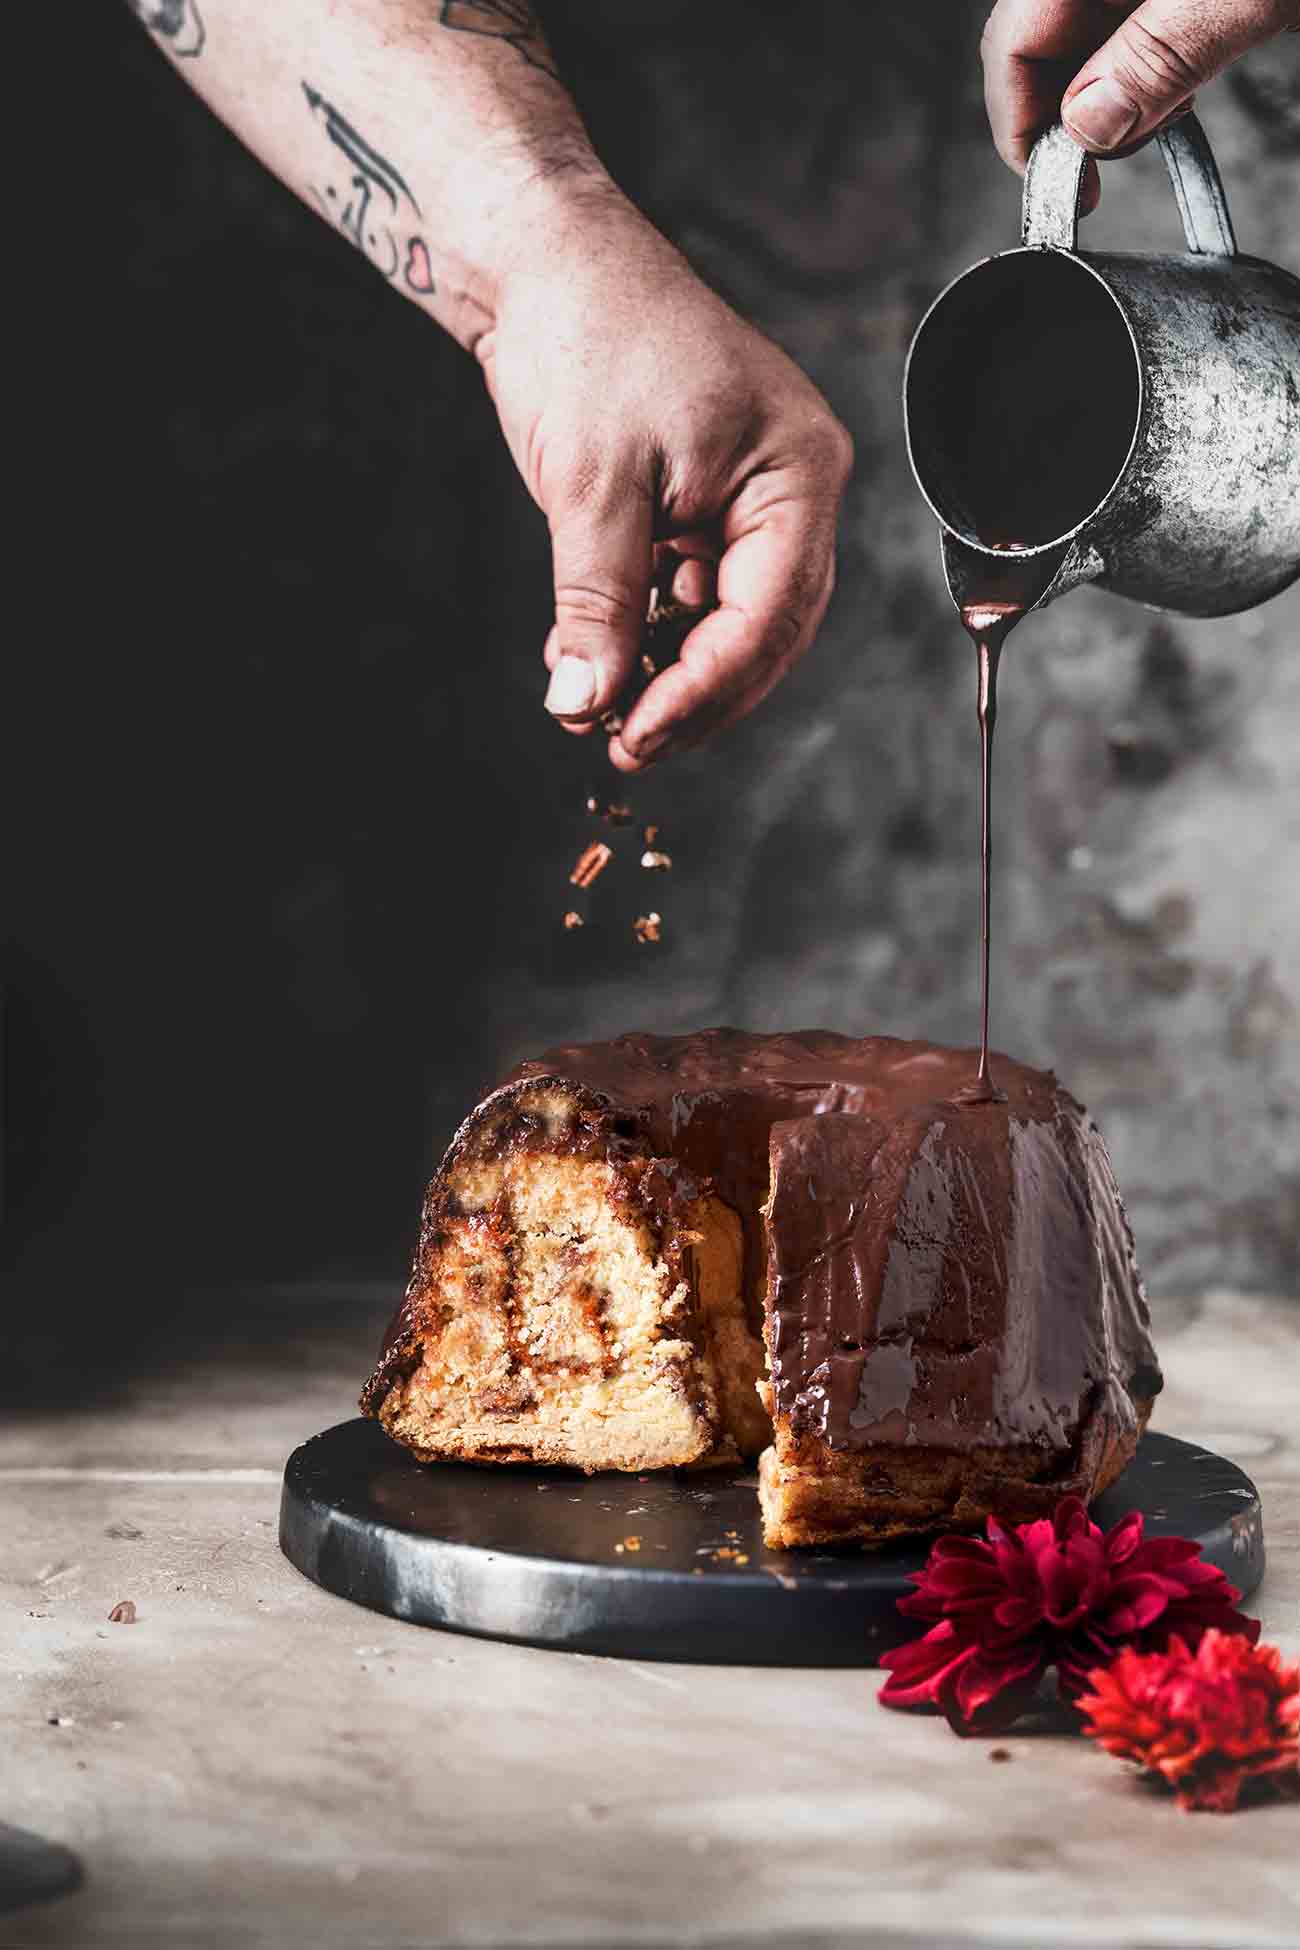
(256, 1763)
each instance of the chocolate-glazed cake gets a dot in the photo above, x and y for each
(671, 1251)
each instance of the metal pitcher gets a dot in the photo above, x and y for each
(1129, 421)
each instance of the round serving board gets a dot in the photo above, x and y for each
(669, 1566)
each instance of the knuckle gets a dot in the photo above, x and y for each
(840, 449)
(572, 479)
(1154, 62)
(780, 639)
(602, 603)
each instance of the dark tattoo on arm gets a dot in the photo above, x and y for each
(370, 202)
(176, 22)
(512, 21)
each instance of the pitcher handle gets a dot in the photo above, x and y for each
(1054, 179)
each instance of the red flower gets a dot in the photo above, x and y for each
(1053, 1593)
(1209, 1722)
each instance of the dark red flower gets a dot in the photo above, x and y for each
(1058, 1593)
(1210, 1723)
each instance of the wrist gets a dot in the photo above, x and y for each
(519, 224)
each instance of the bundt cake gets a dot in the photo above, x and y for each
(673, 1251)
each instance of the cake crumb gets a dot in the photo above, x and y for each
(999, 1753)
(656, 862)
(651, 835)
(573, 920)
(591, 863)
(123, 1612)
(614, 813)
(646, 927)
(612, 723)
(648, 664)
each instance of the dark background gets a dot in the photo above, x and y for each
(286, 833)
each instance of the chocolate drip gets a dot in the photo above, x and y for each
(1004, 594)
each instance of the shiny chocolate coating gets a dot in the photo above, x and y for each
(938, 1271)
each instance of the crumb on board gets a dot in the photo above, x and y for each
(999, 1753)
(647, 927)
(123, 1612)
(628, 1544)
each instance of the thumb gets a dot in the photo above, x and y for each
(1154, 64)
(603, 560)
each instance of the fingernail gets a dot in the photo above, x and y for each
(572, 688)
(645, 748)
(1101, 114)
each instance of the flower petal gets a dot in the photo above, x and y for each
(1123, 1538)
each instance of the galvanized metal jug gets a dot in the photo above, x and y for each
(1131, 421)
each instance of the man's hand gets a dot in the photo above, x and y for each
(641, 410)
(436, 137)
(1116, 72)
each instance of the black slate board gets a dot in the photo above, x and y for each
(531, 1555)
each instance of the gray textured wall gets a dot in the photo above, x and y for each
(294, 829)
(830, 176)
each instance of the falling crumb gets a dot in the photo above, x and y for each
(613, 814)
(630, 1544)
(123, 1612)
(648, 664)
(646, 927)
(651, 835)
(655, 862)
(612, 723)
(573, 919)
(591, 863)
(999, 1753)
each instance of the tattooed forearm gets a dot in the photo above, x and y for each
(512, 21)
(370, 201)
(177, 23)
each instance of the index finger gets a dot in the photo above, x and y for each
(1031, 51)
(774, 582)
